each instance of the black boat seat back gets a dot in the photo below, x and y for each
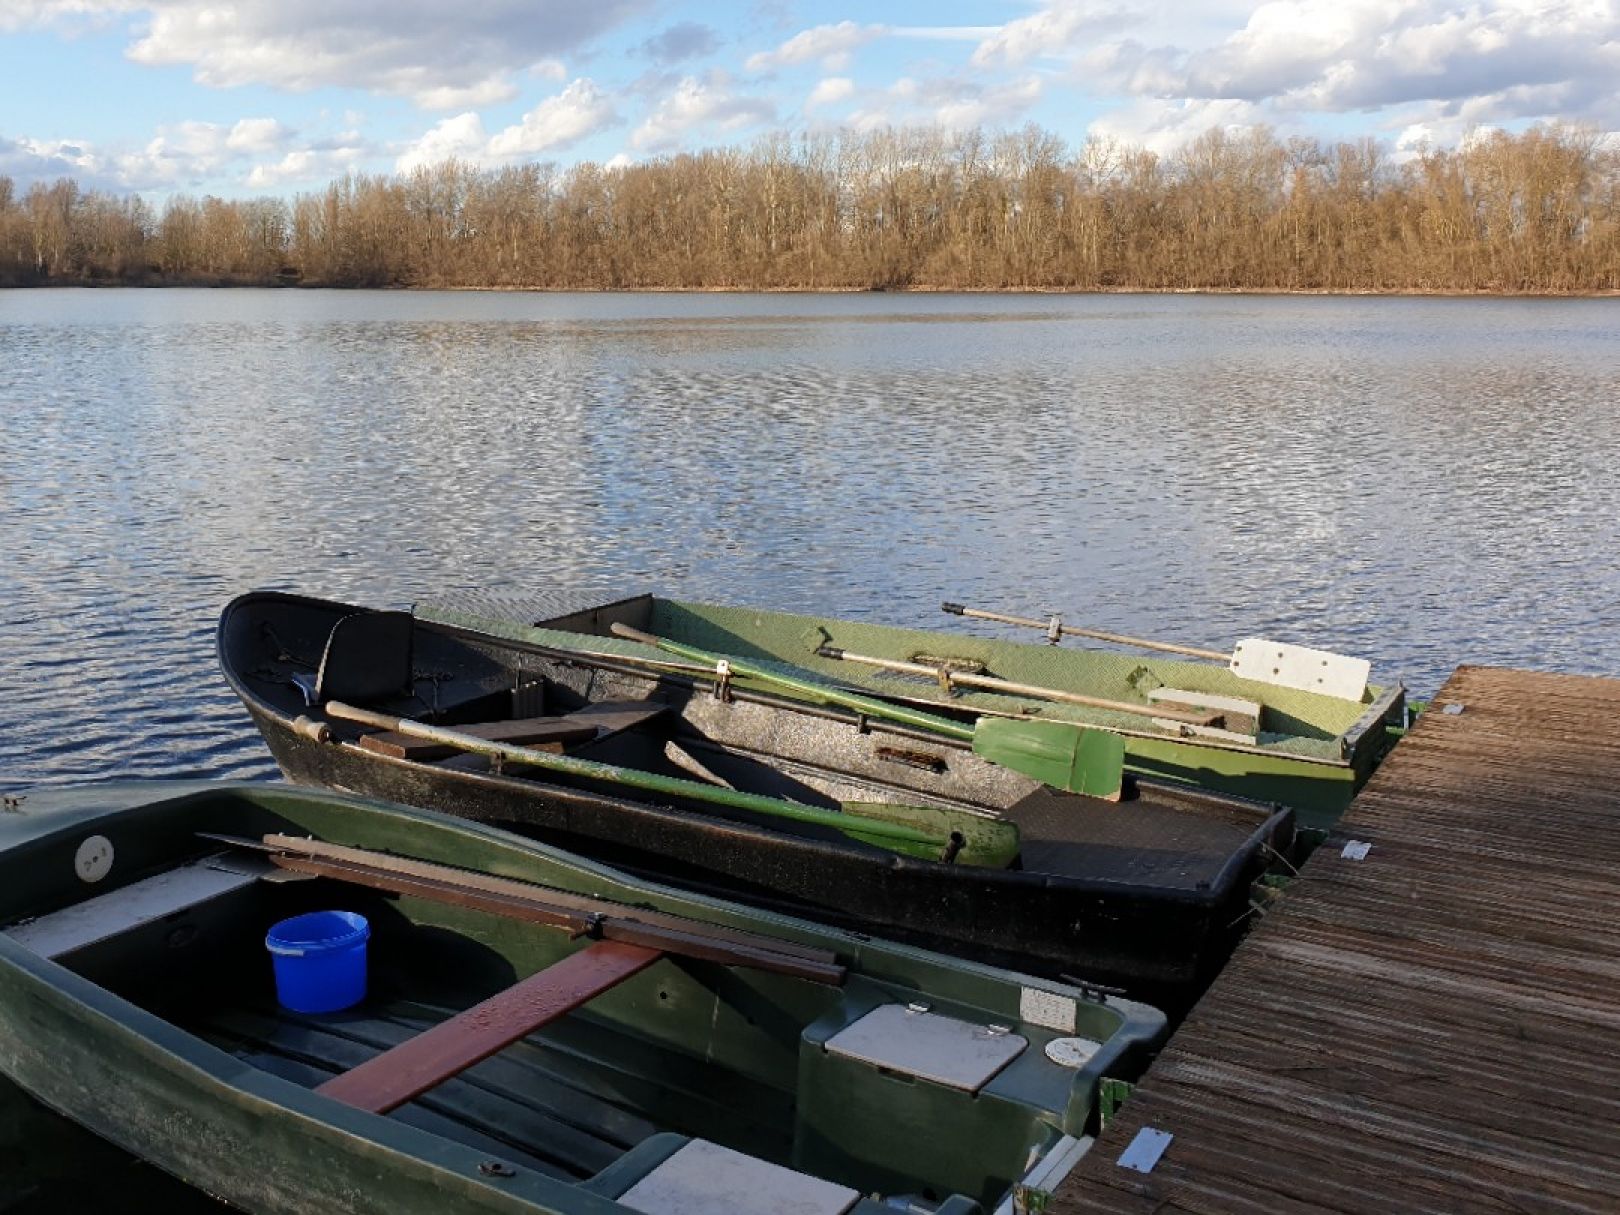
(367, 657)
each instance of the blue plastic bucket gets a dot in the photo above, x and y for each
(320, 960)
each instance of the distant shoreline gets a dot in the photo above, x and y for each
(1358, 292)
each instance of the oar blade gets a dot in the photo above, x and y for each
(1056, 753)
(990, 842)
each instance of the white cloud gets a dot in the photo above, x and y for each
(30, 160)
(441, 56)
(458, 138)
(580, 110)
(1165, 126)
(1053, 30)
(189, 154)
(831, 44)
(314, 165)
(952, 102)
(448, 97)
(1340, 55)
(698, 106)
(21, 14)
(830, 91)
(257, 135)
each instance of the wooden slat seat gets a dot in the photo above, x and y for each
(418, 1064)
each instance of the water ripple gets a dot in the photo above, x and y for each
(1421, 481)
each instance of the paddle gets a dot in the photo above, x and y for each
(1280, 663)
(947, 679)
(930, 832)
(1057, 753)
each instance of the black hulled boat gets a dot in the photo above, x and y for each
(1147, 893)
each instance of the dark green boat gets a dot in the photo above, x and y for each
(538, 1033)
(1260, 739)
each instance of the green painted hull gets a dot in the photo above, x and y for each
(164, 1040)
(1312, 754)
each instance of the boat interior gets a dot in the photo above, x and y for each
(673, 1045)
(293, 655)
(1298, 721)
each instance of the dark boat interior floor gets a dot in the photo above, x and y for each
(563, 1101)
(1139, 841)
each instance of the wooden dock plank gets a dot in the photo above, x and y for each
(1435, 1028)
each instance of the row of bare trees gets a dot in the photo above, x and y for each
(1535, 212)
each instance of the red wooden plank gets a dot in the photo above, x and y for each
(392, 1078)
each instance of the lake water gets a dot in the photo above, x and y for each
(1423, 482)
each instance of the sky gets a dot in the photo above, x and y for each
(248, 97)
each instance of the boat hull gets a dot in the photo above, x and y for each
(1159, 946)
(127, 1019)
(1322, 750)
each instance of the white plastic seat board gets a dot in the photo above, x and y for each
(915, 1042)
(129, 907)
(703, 1178)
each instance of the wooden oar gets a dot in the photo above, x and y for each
(1281, 663)
(990, 683)
(1062, 754)
(930, 832)
(1054, 628)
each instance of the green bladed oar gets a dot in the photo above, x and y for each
(931, 832)
(1057, 753)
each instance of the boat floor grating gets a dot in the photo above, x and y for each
(550, 1102)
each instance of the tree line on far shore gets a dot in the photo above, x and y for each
(889, 209)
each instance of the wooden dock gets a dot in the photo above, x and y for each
(1435, 1027)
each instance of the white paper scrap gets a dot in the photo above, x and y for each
(1356, 850)
(1144, 1151)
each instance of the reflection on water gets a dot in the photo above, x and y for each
(1423, 482)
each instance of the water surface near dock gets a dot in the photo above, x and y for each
(1420, 481)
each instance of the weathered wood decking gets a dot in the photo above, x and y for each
(1436, 1027)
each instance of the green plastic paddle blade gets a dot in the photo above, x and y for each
(991, 842)
(1055, 753)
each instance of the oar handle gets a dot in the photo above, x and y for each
(635, 778)
(1007, 687)
(630, 634)
(1055, 626)
(871, 706)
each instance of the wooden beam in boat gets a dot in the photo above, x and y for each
(574, 914)
(392, 1078)
(472, 879)
(528, 732)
